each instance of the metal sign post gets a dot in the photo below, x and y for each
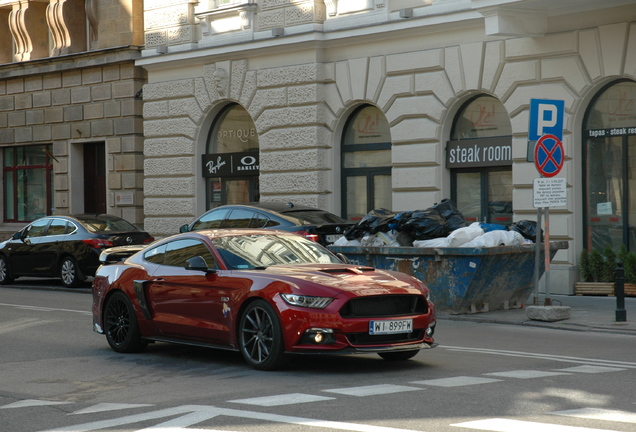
(545, 132)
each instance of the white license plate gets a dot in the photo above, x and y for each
(332, 238)
(390, 326)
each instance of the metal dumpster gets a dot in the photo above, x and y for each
(462, 280)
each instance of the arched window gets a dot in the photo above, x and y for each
(609, 158)
(231, 164)
(366, 163)
(479, 156)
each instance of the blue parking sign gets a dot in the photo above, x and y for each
(546, 118)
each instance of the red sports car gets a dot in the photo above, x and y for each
(262, 292)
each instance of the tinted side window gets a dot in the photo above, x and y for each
(36, 229)
(210, 220)
(179, 251)
(260, 221)
(239, 218)
(57, 227)
(156, 255)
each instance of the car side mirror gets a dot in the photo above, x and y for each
(184, 228)
(198, 263)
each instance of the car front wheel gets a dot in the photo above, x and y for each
(5, 272)
(70, 273)
(120, 325)
(261, 337)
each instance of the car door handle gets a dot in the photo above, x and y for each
(159, 280)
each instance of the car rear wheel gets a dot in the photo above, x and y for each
(261, 337)
(70, 273)
(120, 325)
(399, 355)
(5, 272)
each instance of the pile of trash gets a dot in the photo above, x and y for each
(441, 225)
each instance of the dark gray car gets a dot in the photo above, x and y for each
(315, 224)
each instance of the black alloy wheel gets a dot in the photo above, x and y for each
(399, 355)
(70, 273)
(5, 272)
(261, 337)
(120, 325)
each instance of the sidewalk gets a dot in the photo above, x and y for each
(587, 313)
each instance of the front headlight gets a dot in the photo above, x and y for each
(307, 301)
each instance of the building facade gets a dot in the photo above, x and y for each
(355, 105)
(71, 126)
(347, 105)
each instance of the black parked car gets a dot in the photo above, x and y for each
(65, 246)
(312, 223)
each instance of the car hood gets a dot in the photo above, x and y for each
(332, 279)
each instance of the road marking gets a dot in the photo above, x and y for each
(284, 399)
(32, 403)
(45, 309)
(456, 381)
(193, 414)
(506, 425)
(109, 407)
(558, 358)
(599, 414)
(373, 390)
(591, 369)
(22, 324)
(525, 374)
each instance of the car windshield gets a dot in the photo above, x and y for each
(264, 250)
(311, 217)
(97, 225)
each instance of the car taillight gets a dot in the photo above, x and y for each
(305, 234)
(98, 243)
(149, 240)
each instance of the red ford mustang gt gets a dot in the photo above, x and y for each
(262, 292)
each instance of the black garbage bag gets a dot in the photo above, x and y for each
(449, 211)
(527, 228)
(424, 224)
(375, 221)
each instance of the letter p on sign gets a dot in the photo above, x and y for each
(546, 117)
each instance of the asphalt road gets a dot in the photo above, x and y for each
(59, 375)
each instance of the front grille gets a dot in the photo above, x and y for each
(384, 306)
(367, 339)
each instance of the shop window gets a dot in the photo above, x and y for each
(231, 164)
(27, 183)
(479, 156)
(366, 163)
(609, 158)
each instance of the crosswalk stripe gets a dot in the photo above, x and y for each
(109, 407)
(32, 403)
(458, 381)
(599, 414)
(283, 399)
(525, 374)
(507, 425)
(373, 390)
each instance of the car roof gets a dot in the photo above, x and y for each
(275, 206)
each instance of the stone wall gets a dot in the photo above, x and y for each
(78, 100)
(300, 110)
